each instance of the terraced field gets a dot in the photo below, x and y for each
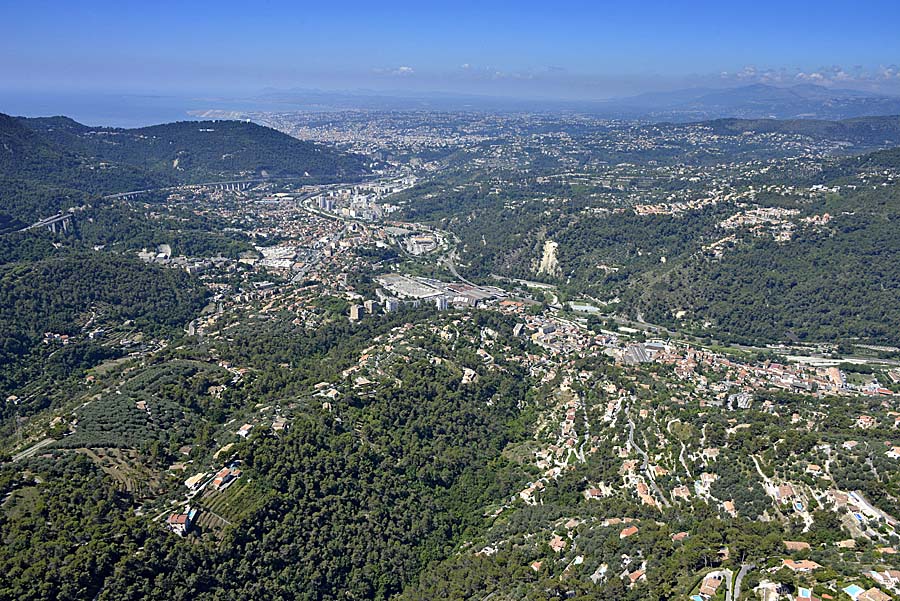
(219, 509)
(125, 467)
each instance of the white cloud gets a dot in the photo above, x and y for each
(401, 71)
(883, 79)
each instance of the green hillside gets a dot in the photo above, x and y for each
(39, 175)
(841, 283)
(50, 164)
(54, 295)
(865, 130)
(193, 151)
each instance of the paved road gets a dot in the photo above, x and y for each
(32, 450)
(771, 489)
(59, 217)
(746, 567)
(643, 454)
(684, 463)
(450, 261)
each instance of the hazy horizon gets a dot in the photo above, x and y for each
(125, 64)
(568, 51)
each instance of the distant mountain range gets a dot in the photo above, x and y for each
(758, 101)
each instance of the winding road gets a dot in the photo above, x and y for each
(646, 466)
(746, 567)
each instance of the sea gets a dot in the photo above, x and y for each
(109, 109)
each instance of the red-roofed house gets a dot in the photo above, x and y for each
(710, 585)
(804, 565)
(629, 531)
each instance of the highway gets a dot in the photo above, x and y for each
(50, 222)
(450, 257)
(200, 185)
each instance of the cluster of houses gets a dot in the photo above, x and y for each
(224, 477)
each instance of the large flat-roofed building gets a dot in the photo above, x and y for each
(405, 286)
(421, 288)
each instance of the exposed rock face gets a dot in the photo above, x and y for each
(549, 263)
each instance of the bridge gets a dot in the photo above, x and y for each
(229, 185)
(232, 185)
(58, 222)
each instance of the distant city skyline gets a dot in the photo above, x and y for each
(565, 50)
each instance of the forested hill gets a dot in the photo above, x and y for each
(28, 156)
(22, 150)
(39, 176)
(193, 151)
(837, 281)
(73, 292)
(52, 163)
(875, 131)
(853, 166)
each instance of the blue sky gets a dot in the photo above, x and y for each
(533, 49)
